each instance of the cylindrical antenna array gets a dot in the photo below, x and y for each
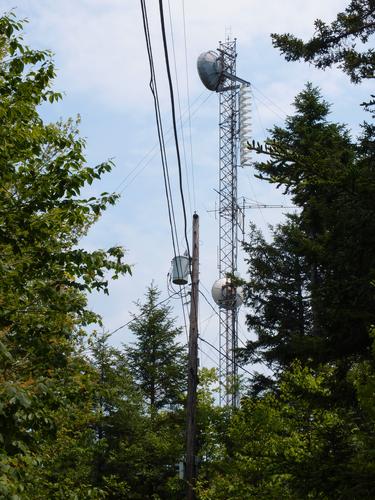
(245, 124)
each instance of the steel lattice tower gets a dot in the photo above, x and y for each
(217, 71)
(228, 217)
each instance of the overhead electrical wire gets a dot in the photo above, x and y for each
(179, 103)
(247, 174)
(181, 297)
(180, 292)
(153, 87)
(184, 315)
(207, 320)
(218, 315)
(140, 315)
(225, 355)
(257, 112)
(174, 124)
(211, 345)
(255, 99)
(271, 102)
(188, 101)
(154, 91)
(135, 318)
(139, 168)
(247, 340)
(174, 121)
(183, 141)
(209, 357)
(202, 332)
(212, 307)
(176, 139)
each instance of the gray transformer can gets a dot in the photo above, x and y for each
(180, 270)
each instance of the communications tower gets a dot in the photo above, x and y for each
(217, 70)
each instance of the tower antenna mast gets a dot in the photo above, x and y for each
(217, 70)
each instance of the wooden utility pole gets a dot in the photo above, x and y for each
(191, 409)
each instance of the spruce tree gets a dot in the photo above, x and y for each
(158, 364)
(317, 164)
(120, 424)
(343, 42)
(277, 296)
(157, 360)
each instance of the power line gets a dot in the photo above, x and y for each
(179, 292)
(140, 315)
(162, 23)
(137, 170)
(225, 355)
(257, 112)
(242, 342)
(179, 103)
(207, 320)
(209, 357)
(188, 100)
(245, 345)
(212, 307)
(154, 91)
(218, 315)
(216, 349)
(273, 104)
(184, 315)
(247, 174)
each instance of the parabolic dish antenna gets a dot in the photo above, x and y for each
(210, 69)
(226, 295)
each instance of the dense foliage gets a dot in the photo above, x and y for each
(83, 419)
(107, 425)
(306, 430)
(46, 384)
(137, 448)
(311, 288)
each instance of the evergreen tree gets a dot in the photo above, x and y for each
(296, 444)
(317, 164)
(278, 299)
(338, 42)
(120, 424)
(310, 434)
(157, 361)
(141, 451)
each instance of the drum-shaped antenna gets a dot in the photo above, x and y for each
(210, 69)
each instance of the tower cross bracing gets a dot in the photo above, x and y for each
(228, 218)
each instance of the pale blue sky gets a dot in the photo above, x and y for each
(102, 68)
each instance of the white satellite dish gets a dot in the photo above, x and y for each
(227, 295)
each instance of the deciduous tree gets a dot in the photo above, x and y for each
(46, 385)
